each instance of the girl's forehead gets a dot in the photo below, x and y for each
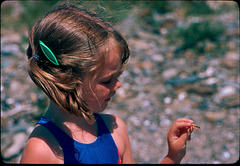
(110, 60)
(113, 60)
(112, 53)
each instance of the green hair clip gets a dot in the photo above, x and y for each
(48, 53)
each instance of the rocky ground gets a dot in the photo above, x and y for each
(158, 87)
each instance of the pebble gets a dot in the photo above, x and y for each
(231, 60)
(2, 88)
(14, 86)
(153, 127)
(30, 129)
(10, 101)
(167, 100)
(165, 122)
(182, 96)
(208, 73)
(169, 73)
(135, 121)
(215, 116)
(146, 123)
(139, 44)
(19, 140)
(158, 58)
(168, 111)
(163, 31)
(146, 103)
(12, 49)
(226, 92)
(9, 37)
(226, 155)
(211, 81)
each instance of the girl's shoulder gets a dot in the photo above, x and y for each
(117, 128)
(119, 133)
(42, 147)
(113, 122)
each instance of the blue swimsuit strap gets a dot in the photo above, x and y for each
(103, 129)
(65, 141)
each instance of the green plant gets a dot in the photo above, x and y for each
(196, 8)
(147, 10)
(30, 11)
(161, 7)
(27, 13)
(196, 34)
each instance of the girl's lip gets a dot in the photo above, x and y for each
(108, 99)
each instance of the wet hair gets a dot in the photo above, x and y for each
(80, 40)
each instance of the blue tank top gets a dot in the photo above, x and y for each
(102, 151)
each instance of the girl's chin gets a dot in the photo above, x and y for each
(101, 109)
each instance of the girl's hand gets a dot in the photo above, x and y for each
(178, 135)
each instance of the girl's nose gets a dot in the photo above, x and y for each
(117, 85)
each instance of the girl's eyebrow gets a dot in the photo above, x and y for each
(118, 72)
(110, 75)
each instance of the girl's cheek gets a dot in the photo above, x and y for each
(88, 94)
(99, 89)
(102, 90)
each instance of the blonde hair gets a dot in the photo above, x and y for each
(79, 40)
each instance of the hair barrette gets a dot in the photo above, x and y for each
(35, 56)
(48, 53)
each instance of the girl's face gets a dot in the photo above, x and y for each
(98, 92)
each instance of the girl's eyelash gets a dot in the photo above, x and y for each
(117, 75)
(106, 82)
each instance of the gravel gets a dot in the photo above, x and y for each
(157, 88)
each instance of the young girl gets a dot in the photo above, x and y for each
(75, 58)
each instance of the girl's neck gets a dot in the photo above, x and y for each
(76, 127)
(57, 115)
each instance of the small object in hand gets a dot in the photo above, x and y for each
(196, 127)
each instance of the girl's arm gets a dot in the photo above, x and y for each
(39, 148)
(120, 135)
(178, 135)
(127, 156)
(37, 152)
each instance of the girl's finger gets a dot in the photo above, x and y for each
(185, 135)
(184, 120)
(179, 130)
(180, 125)
(189, 138)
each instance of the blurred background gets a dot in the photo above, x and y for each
(184, 63)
